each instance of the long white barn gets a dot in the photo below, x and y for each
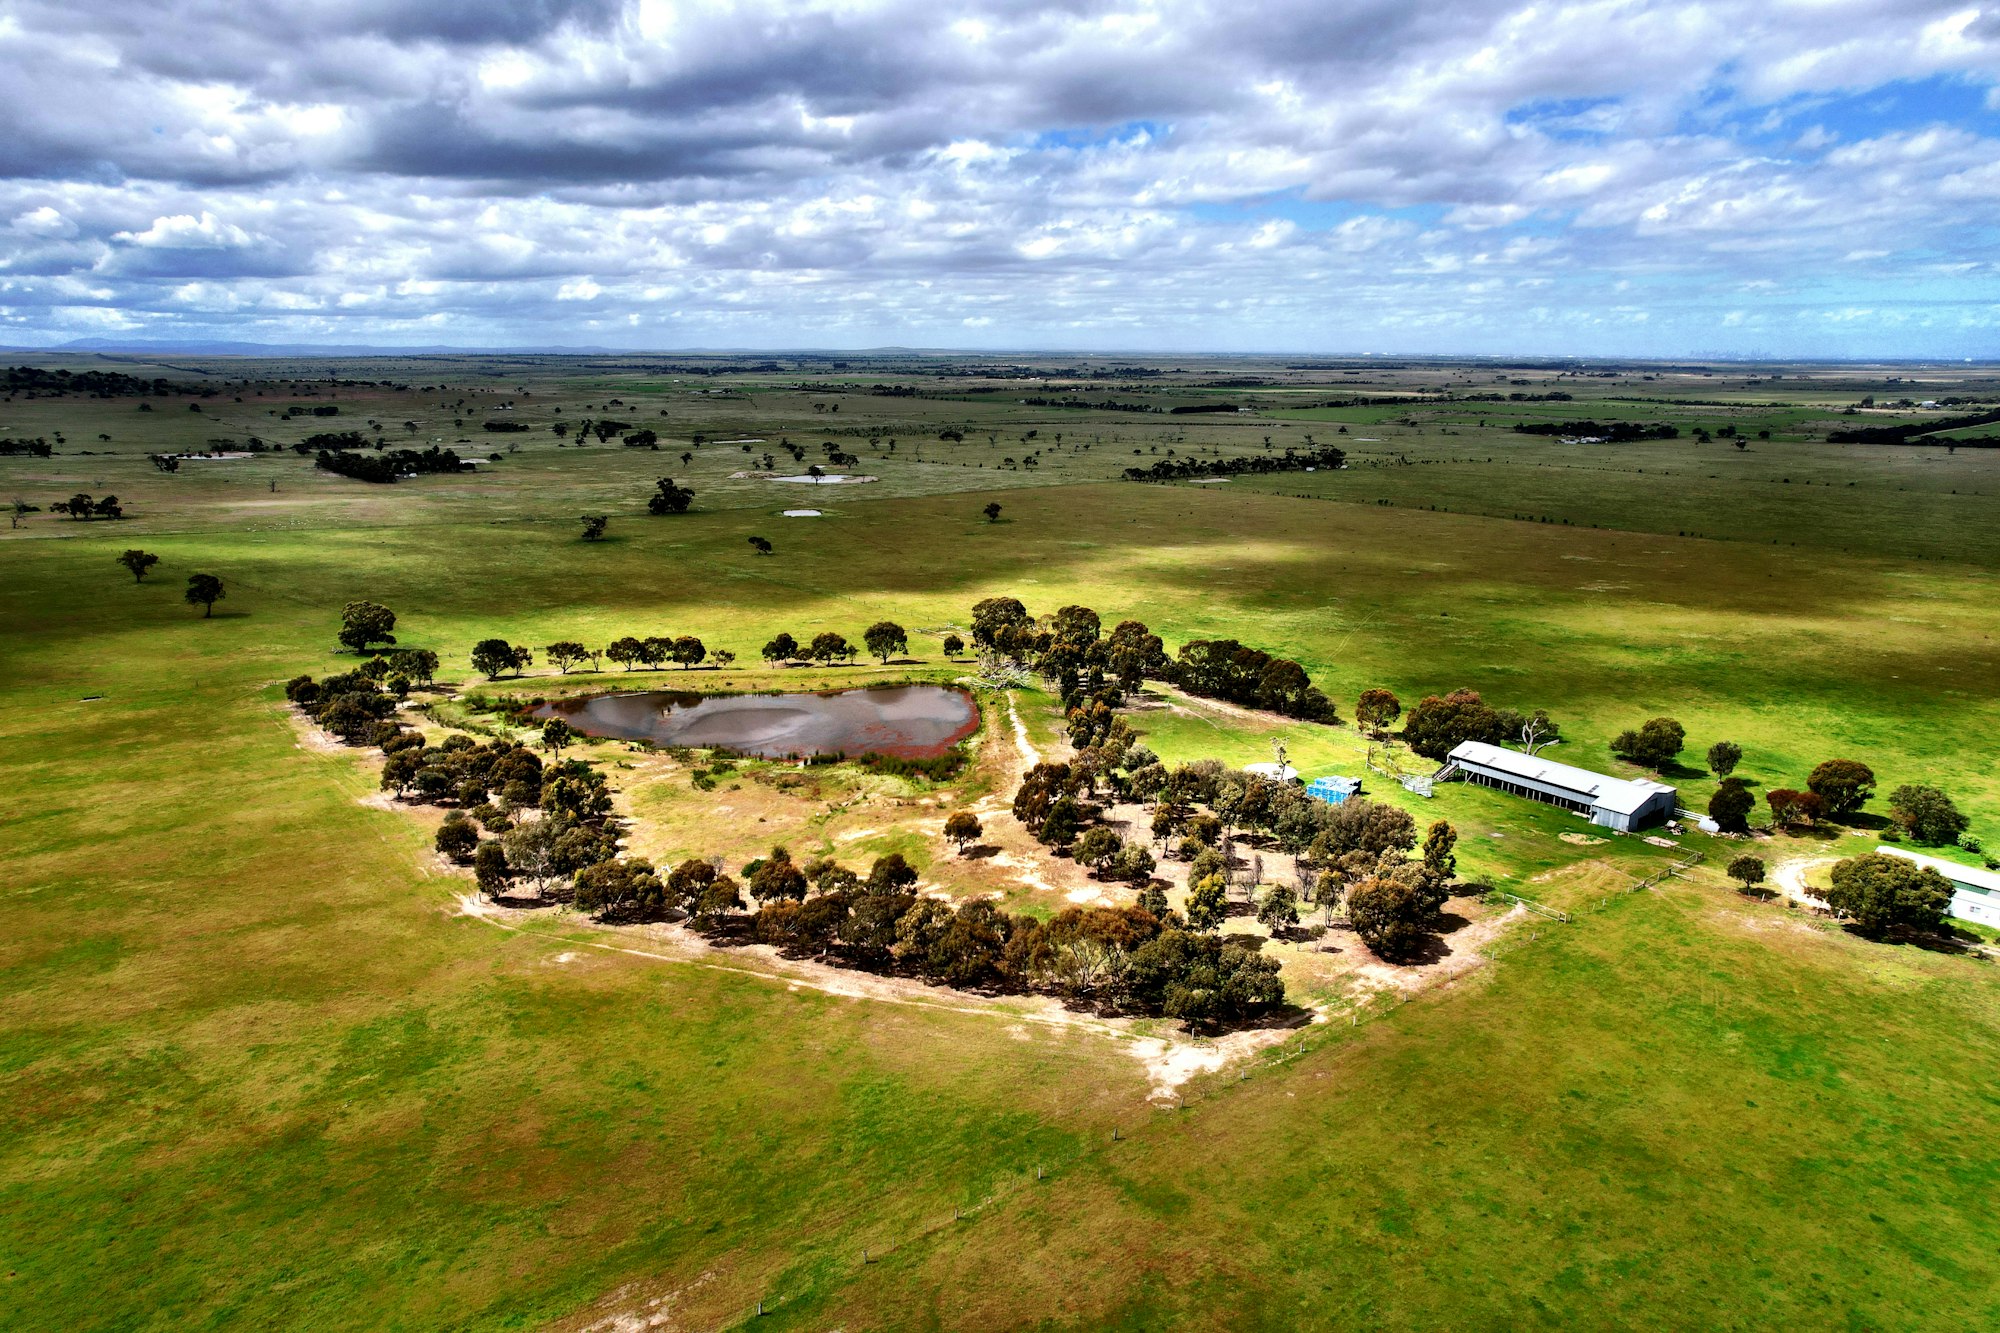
(1624, 804)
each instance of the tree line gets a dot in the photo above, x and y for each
(1325, 456)
(1618, 432)
(389, 465)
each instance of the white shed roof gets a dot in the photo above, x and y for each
(1621, 795)
(1952, 870)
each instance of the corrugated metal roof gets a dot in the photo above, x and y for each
(1952, 870)
(1620, 795)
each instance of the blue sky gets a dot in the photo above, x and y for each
(1618, 177)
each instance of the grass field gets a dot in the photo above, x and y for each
(258, 1070)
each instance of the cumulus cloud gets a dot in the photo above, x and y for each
(1151, 173)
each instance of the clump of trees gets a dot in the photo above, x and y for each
(1925, 814)
(1795, 809)
(1843, 785)
(389, 465)
(1439, 724)
(1881, 893)
(1071, 651)
(1200, 808)
(82, 508)
(1617, 432)
(1226, 669)
(495, 658)
(825, 648)
(1119, 958)
(669, 498)
(1324, 456)
(1653, 744)
(519, 821)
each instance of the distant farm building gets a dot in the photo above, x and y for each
(1975, 894)
(1624, 804)
(1332, 789)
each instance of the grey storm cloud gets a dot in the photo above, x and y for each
(1620, 174)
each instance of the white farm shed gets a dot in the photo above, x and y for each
(1624, 804)
(1975, 894)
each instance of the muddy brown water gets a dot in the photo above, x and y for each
(907, 721)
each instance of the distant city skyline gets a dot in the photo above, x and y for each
(1727, 179)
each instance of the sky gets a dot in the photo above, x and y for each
(1786, 178)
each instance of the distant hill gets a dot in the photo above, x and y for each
(177, 347)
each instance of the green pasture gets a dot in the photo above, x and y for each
(1683, 1110)
(258, 1071)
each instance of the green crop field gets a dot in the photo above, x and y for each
(261, 1066)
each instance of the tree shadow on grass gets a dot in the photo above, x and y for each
(1289, 1017)
(1948, 942)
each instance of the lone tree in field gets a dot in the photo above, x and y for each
(1723, 757)
(1377, 708)
(761, 545)
(1844, 784)
(1747, 871)
(669, 498)
(1926, 814)
(885, 637)
(138, 562)
(1731, 805)
(204, 591)
(1880, 892)
(992, 511)
(1653, 745)
(557, 733)
(963, 828)
(366, 623)
(566, 653)
(953, 645)
(594, 525)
